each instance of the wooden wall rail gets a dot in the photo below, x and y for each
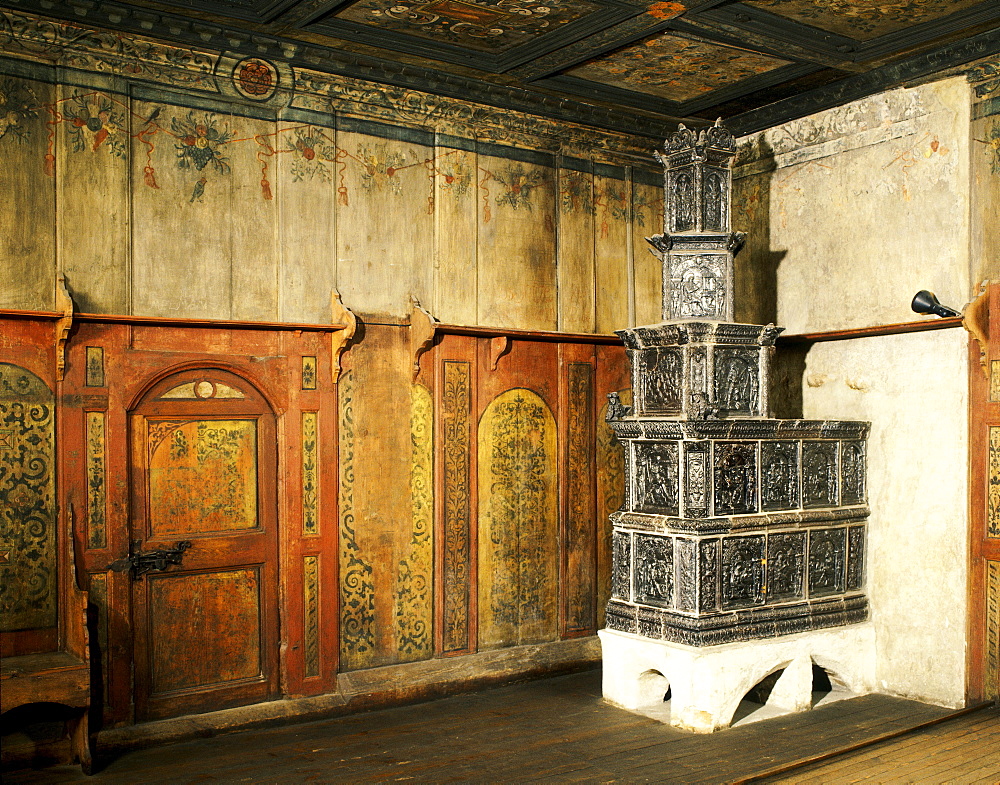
(552, 336)
(797, 339)
(160, 321)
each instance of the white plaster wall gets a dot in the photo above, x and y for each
(865, 205)
(854, 210)
(913, 389)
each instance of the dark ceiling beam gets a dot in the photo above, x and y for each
(861, 85)
(762, 28)
(223, 38)
(725, 28)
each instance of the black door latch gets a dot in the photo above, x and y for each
(140, 563)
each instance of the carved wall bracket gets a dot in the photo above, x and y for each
(976, 320)
(340, 314)
(499, 346)
(64, 301)
(422, 328)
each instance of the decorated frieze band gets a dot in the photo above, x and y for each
(278, 79)
(743, 625)
(739, 571)
(736, 429)
(652, 522)
(726, 478)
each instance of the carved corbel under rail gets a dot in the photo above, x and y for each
(340, 314)
(64, 301)
(422, 328)
(976, 319)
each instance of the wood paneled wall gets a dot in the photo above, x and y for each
(457, 511)
(525, 471)
(156, 202)
(389, 518)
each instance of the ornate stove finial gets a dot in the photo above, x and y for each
(697, 245)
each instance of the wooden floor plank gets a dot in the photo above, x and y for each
(559, 730)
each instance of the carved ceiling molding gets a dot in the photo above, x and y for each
(598, 82)
(352, 84)
(359, 98)
(865, 84)
(858, 124)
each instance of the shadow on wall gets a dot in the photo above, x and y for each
(756, 271)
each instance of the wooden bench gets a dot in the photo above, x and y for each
(61, 677)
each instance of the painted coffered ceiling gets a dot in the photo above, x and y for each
(632, 65)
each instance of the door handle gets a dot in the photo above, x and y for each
(139, 563)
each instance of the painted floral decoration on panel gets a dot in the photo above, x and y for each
(518, 185)
(94, 121)
(199, 143)
(17, 104)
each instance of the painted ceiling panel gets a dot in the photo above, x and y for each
(638, 66)
(494, 26)
(675, 68)
(863, 20)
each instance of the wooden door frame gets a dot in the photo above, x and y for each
(983, 414)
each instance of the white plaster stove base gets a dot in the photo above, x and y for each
(708, 683)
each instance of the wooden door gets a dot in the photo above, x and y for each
(203, 471)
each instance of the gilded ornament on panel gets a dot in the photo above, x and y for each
(310, 474)
(993, 484)
(357, 589)
(413, 578)
(96, 485)
(991, 676)
(95, 366)
(581, 536)
(457, 557)
(310, 588)
(995, 380)
(27, 501)
(308, 373)
(188, 458)
(611, 461)
(518, 519)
